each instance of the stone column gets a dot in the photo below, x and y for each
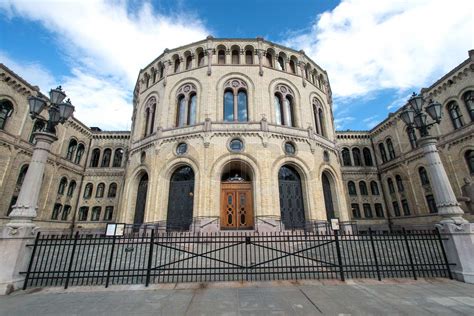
(27, 204)
(446, 202)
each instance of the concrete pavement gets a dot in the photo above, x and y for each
(331, 297)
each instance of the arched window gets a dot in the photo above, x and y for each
(221, 57)
(118, 156)
(6, 110)
(83, 213)
(95, 215)
(62, 186)
(66, 211)
(109, 211)
(200, 59)
(412, 137)
(71, 188)
(79, 153)
(140, 203)
(346, 157)
(363, 188)
(280, 63)
(177, 63)
(248, 57)
(391, 150)
(147, 121)
(21, 177)
(37, 127)
(374, 188)
(351, 188)
(187, 103)
(150, 110)
(469, 156)
(112, 190)
(235, 56)
(284, 106)
(322, 122)
(71, 149)
(106, 158)
(189, 62)
(95, 158)
(400, 186)
(292, 66)
(367, 157)
(355, 210)
(423, 176)
(100, 190)
(269, 59)
(391, 188)
(235, 101)
(455, 115)
(147, 80)
(88, 191)
(162, 71)
(316, 107)
(367, 210)
(469, 102)
(56, 210)
(356, 157)
(383, 153)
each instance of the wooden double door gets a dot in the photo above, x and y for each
(236, 205)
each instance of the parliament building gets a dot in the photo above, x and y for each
(237, 134)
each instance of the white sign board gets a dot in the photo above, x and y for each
(335, 223)
(114, 229)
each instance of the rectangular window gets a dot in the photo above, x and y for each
(406, 207)
(95, 213)
(431, 204)
(396, 208)
(56, 211)
(66, 211)
(109, 211)
(379, 210)
(355, 210)
(367, 210)
(83, 212)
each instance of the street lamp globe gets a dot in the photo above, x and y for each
(65, 110)
(57, 95)
(434, 110)
(36, 105)
(416, 102)
(408, 116)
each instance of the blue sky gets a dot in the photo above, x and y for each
(376, 52)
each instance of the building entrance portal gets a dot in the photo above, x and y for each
(236, 197)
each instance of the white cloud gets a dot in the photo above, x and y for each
(106, 45)
(368, 46)
(341, 122)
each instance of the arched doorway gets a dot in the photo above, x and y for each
(141, 200)
(236, 196)
(328, 201)
(181, 199)
(291, 198)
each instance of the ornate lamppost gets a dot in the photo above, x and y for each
(415, 116)
(26, 206)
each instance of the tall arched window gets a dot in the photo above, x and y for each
(177, 63)
(469, 156)
(112, 190)
(374, 188)
(106, 158)
(235, 56)
(71, 188)
(391, 150)
(269, 59)
(6, 110)
(322, 122)
(235, 101)
(316, 107)
(351, 188)
(37, 127)
(99, 193)
(118, 156)
(423, 176)
(367, 157)
(455, 115)
(150, 110)
(201, 59)
(79, 153)
(284, 105)
(356, 156)
(391, 188)
(469, 102)
(292, 66)
(248, 56)
(363, 188)
(383, 153)
(412, 137)
(400, 186)
(62, 186)
(95, 158)
(189, 62)
(71, 149)
(221, 57)
(88, 191)
(147, 121)
(346, 157)
(187, 104)
(280, 63)
(161, 68)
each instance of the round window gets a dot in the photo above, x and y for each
(181, 149)
(236, 145)
(290, 149)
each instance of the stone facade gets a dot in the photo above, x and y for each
(204, 95)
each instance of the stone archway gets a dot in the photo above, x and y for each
(291, 198)
(140, 204)
(180, 199)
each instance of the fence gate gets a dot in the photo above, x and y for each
(233, 256)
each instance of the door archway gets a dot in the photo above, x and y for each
(328, 199)
(291, 198)
(180, 199)
(141, 200)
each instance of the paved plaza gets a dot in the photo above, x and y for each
(331, 297)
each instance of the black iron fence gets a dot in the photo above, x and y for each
(153, 257)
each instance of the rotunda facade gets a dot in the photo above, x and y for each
(232, 134)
